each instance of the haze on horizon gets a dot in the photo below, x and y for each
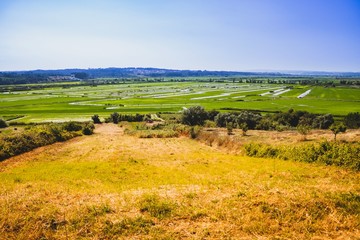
(238, 35)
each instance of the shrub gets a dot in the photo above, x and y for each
(212, 114)
(142, 130)
(156, 207)
(244, 127)
(329, 153)
(114, 117)
(323, 121)
(266, 123)
(251, 119)
(261, 150)
(72, 126)
(96, 119)
(194, 116)
(229, 128)
(127, 226)
(194, 131)
(352, 120)
(88, 129)
(337, 128)
(209, 124)
(303, 130)
(36, 136)
(224, 118)
(3, 123)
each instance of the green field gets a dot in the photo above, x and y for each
(81, 102)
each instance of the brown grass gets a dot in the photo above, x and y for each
(113, 186)
(218, 136)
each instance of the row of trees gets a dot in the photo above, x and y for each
(253, 120)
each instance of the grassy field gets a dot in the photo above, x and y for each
(114, 186)
(81, 102)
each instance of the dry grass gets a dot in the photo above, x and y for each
(219, 137)
(113, 186)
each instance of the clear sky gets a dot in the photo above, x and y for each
(242, 35)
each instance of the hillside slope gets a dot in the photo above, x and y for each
(109, 186)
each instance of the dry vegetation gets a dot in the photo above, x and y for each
(114, 186)
(279, 138)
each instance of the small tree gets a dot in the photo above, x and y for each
(96, 119)
(323, 121)
(244, 127)
(194, 116)
(337, 128)
(229, 127)
(115, 117)
(304, 130)
(3, 123)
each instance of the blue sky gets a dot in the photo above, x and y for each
(242, 35)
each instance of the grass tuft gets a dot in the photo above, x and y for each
(156, 206)
(128, 226)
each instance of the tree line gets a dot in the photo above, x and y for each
(197, 115)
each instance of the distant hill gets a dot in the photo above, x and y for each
(35, 76)
(143, 72)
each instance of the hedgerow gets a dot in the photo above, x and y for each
(341, 154)
(40, 135)
(142, 130)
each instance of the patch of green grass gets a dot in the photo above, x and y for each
(156, 207)
(348, 202)
(81, 102)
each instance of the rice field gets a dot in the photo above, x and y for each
(81, 102)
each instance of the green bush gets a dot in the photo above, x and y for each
(195, 131)
(194, 116)
(156, 206)
(3, 123)
(88, 129)
(352, 120)
(72, 126)
(116, 118)
(38, 135)
(337, 128)
(96, 119)
(142, 130)
(329, 153)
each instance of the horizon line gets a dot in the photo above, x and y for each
(173, 69)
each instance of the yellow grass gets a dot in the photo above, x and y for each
(114, 186)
